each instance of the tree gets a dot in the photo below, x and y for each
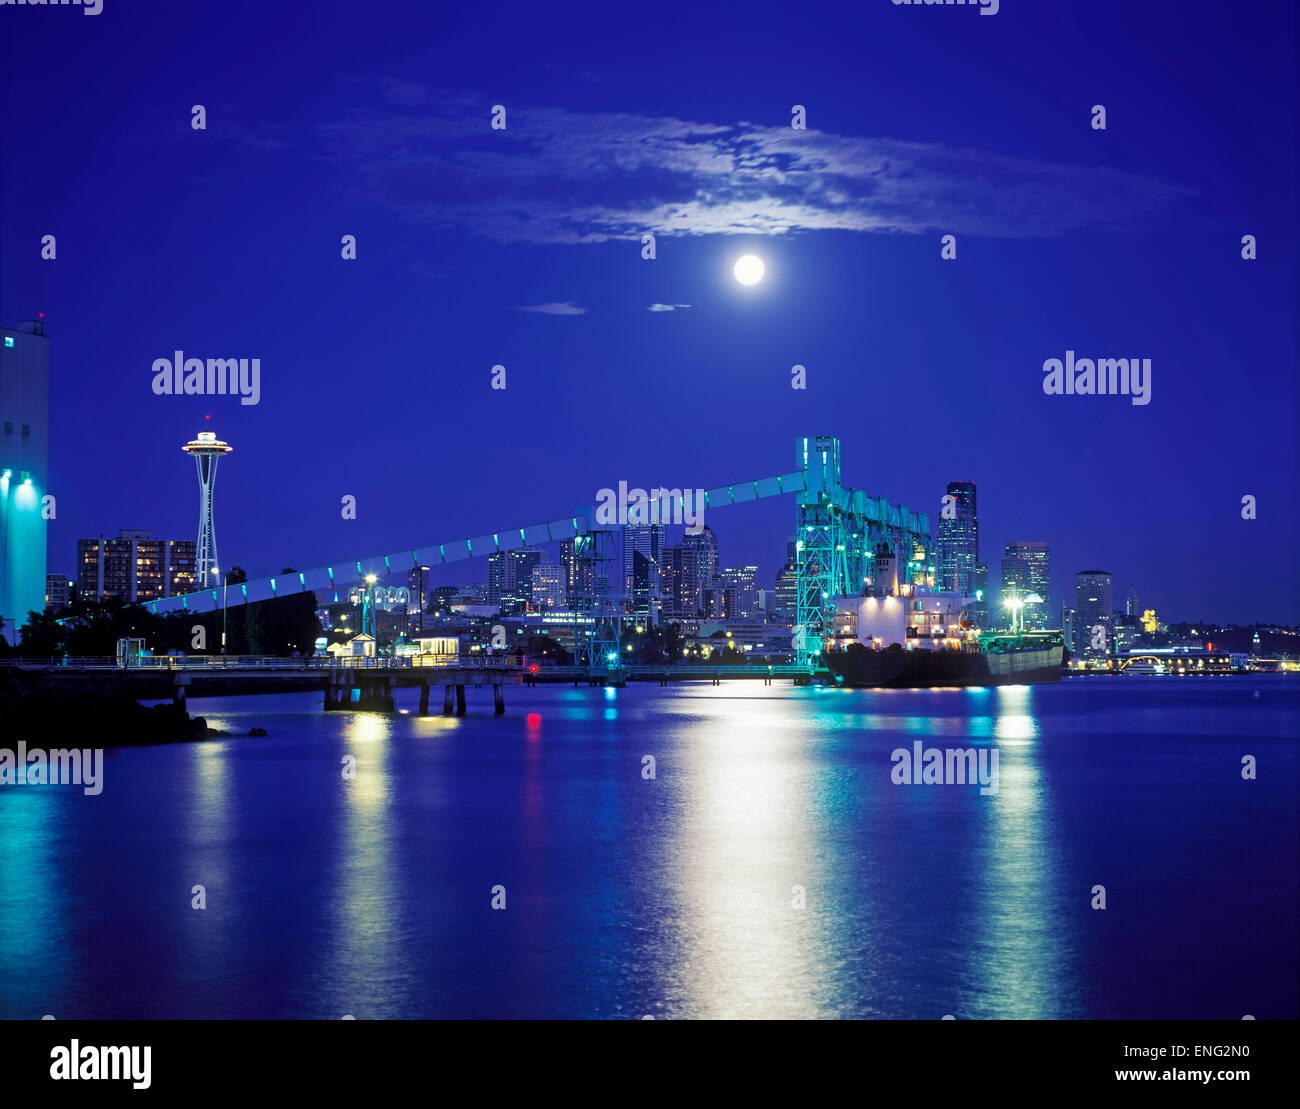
(42, 636)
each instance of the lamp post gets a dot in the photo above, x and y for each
(215, 570)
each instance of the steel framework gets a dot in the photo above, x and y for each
(838, 530)
(598, 641)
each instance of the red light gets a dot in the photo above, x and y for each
(40, 315)
(533, 669)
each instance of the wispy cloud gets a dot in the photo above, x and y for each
(564, 309)
(666, 307)
(556, 176)
(421, 268)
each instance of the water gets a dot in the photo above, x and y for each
(674, 897)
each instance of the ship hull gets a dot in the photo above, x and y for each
(927, 669)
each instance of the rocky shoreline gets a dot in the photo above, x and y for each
(92, 709)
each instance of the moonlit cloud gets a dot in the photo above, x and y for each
(556, 176)
(666, 307)
(564, 309)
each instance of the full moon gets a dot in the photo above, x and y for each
(749, 269)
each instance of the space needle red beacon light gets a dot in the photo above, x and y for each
(207, 450)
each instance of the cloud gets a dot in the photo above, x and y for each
(421, 268)
(666, 307)
(564, 309)
(557, 176)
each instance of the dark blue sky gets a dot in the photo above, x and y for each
(328, 119)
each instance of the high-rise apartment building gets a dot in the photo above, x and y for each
(135, 567)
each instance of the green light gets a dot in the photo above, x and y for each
(9, 340)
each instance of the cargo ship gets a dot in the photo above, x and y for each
(1021, 658)
(919, 639)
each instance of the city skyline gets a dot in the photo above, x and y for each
(665, 371)
(653, 538)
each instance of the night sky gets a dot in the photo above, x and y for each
(328, 119)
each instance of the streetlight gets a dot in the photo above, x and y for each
(224, 583)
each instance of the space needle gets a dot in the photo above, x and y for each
(207, 450)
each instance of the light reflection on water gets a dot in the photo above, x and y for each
(675, 896)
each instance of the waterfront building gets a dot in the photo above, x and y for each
(24, 473)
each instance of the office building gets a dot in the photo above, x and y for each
(1027, 569)
(979, 610)
(1092, 602)
(510, 578)
(740, 586)
(785, 599)
(549, 586)
(699, 568)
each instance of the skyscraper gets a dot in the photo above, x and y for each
(1092, 602)
(957, 547)
(641, 580)
(672, 577)
(700, 567)
(417, 584)
(24, 473)
(980, 590)
(1026, 569)
(785, 596)
(741, 591)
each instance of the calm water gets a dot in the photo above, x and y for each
(674, 897)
